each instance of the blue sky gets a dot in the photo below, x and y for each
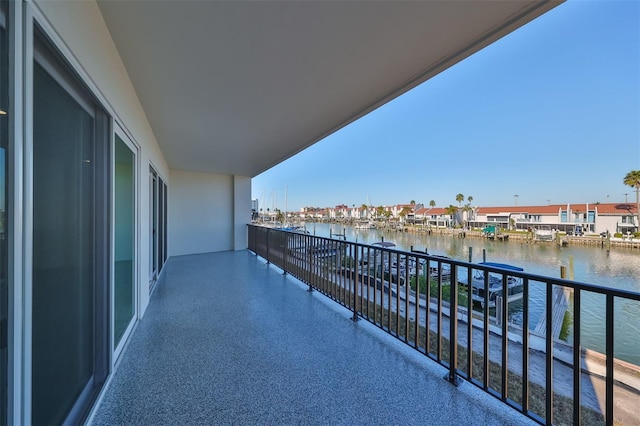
(549, 112)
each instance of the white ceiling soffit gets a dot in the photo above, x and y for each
(237, 87)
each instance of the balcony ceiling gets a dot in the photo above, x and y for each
(238, 87)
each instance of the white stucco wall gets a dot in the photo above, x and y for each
(200, 213)
(242, 211)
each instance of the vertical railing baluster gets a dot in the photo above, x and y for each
(407, 294)
(487, 335)
(577, 357)
(310, 256)
(386, 274)
(268, 257)
(375, 289)
(505, 337)
(525, 345)
(452, 376)
(549, 337)
(416, 323)
(439, 334)
(360, 275)
(343, 253)
(469, 324)
(368, 282)
(427, 309)
(397, 256)
(285, 252)
(354, 266)
(610, 350)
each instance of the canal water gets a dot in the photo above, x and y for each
(619, 268)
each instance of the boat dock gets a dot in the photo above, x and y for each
(559, 307)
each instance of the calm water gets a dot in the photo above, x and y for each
(620, 268)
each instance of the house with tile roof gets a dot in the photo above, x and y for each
(589, 218)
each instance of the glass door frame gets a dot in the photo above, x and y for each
(158, 210)
(153, 226)
(135, 150)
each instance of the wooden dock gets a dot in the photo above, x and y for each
(559, 307)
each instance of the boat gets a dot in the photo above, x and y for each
(439, 269)
(384, 244)
(365, 225)
(543, 233)
(294, 228)
(515, 287)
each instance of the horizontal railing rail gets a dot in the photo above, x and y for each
(459, 314)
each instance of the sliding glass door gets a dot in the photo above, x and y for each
(153, 227)
(124, 294)
(4, 208)
(158, 225)
(70, 243)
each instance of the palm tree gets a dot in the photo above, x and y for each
(451, 211)
(460, 198)
(467, 207)
(404, 212)
(632, 179)
(432, 203)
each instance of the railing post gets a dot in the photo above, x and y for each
(285, 248)
(353, 266)
(268, 246)
(609, 364)
(452, 375)
(307, 246)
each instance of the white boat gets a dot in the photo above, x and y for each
(365, 225)
(437, 269)
(515, 287)
(543, 233)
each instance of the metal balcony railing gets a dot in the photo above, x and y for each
(410, 295)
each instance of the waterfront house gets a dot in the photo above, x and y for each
(130, 134)
(433, 216)
(587, 218)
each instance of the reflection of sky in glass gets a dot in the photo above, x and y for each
(591, 264)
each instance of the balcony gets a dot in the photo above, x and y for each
(230, 339)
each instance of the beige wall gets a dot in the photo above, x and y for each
(201, 212)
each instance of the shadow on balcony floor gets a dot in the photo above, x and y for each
(228, 339)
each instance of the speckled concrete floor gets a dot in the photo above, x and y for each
(228, 339)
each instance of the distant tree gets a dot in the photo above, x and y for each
(432, 203)
(412, 202)
(451, 210)
(404, 212)
(460, 198)
(469, 199)
(632, 179)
